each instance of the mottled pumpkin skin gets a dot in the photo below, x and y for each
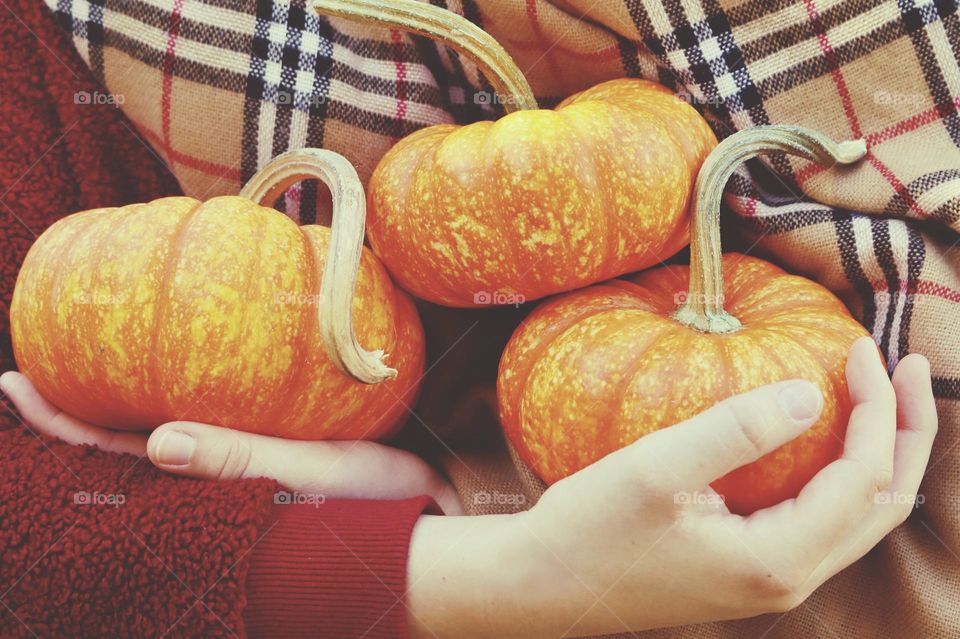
(131, 317)
(594, 370)
(540, 201)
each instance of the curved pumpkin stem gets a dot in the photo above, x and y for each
(449, 29)
(343, 255)
(703, 309)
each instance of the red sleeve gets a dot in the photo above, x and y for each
(336, 569)
(105, 545)
(108, 543)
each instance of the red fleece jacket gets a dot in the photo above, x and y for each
(102, 545)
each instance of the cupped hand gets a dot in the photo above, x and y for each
(638, 540)
(333, 469)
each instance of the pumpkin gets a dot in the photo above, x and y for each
(224, 312)
(540, 201)
(594, 370)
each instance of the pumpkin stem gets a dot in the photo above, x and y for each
(703, 308)
(343, 255)
(449, 29)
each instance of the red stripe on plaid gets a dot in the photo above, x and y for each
(911, 124)
(848, 109)
(920, 287)
(831, 57)
(808, 172)
(895, 182)
(210, 168)
(926, 287)
(172, 34)
(397, 39)
(907, 125)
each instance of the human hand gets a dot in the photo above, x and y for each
(334, 469)
(612, 548)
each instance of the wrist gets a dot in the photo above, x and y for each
(477, 577)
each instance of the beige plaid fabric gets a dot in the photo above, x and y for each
(218, 88)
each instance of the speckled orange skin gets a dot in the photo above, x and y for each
(540, 201)
(594, 370)
(131, 317)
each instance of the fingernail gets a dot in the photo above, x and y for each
(800, 400)
(175, 448)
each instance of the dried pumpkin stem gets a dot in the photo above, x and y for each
(448, 28)
(703, 309)
(343, 255)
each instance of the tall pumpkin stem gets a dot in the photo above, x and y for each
(703, 308)
(343, 255)
(449, 29)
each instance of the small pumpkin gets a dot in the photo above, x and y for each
(594, 370)
(224, 312)
(540, 201)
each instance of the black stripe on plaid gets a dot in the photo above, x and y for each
(287, 52)
(708, 67)
(850, 258)
(786, 203)
(916, 256)
(644, 25)
(946, 387)
(790, 220)
(629, 57)
(917, 18)
(287, 55)
(748, 11)
(883, 250)
(254, 92)
(715, 72)
(221, 78)
(947, 213)
(316, 127)
(159, 18)
(370, 121)
(88, 27)
(464, 101)
(900, 287)
(843, 54)
(791, 33)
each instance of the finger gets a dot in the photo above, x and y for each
(42, 416)
(839, 496)
(872, 428)
(333, 469)
(917, 428)
(735, 432)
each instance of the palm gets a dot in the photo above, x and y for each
(335, 469)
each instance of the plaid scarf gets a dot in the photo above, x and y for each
(219, 88)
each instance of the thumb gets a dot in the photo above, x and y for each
(733, 433)
(210, 452)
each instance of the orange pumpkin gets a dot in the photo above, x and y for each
(594, 370)
(224, 312)
(540, 201)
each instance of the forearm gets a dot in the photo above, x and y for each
(488, 576)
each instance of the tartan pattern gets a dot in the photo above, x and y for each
(218, 88)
